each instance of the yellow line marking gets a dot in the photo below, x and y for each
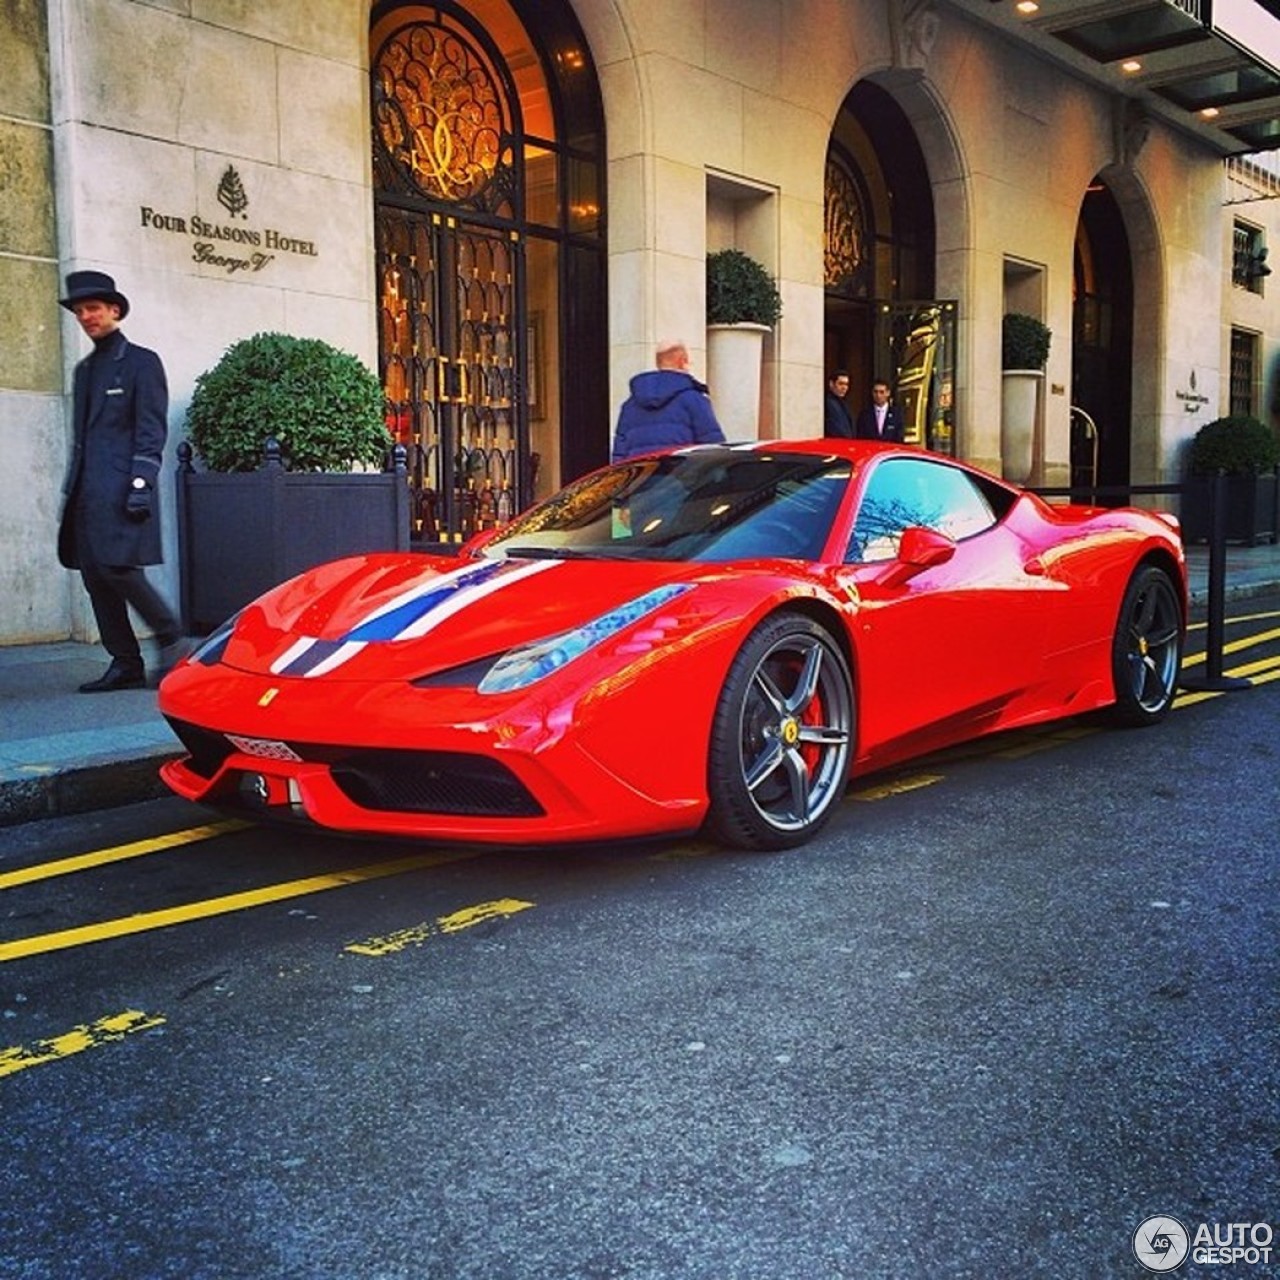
(896, 787)
(417, 934)
(1244, 617)
(101, 857)
(1236, 646)
(1267, 677)
(1261, 672)
(77, 1040)
(1189, 699)
(1253, 668)
(125, 925)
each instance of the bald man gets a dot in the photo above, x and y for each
(667, 407)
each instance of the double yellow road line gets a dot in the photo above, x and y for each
(186, 912)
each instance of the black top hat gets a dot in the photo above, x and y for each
(85, 286)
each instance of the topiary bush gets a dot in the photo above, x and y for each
(323, 406)
(1239, 444)
(740, 290)
(1024, 342)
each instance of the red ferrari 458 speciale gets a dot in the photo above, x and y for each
(719, 635)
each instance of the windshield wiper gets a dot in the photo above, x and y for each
(549, 553)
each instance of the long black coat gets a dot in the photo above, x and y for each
(119, 436)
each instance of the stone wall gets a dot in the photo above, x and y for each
(34, 600)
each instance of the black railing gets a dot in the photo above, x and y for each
(1213, 679)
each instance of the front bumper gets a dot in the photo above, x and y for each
(389, 759)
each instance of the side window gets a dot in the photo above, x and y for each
(902, 492)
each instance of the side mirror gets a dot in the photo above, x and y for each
(918, 549)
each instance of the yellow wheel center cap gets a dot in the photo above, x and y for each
(790, 732)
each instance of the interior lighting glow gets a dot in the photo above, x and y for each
(1027, 7)
(1209, 113)
(1131, 65)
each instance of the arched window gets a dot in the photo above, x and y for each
(488, 185)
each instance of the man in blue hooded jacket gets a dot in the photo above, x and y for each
(668, 406)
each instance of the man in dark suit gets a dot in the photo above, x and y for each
(110, 523)
(879, 420)
(836, 419)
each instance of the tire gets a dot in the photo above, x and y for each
(1146, 653)
(781, 736)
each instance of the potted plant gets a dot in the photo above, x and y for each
(284, 429)
(1024, 352)
(1024, 343)
(1247, 452)
(743, 304)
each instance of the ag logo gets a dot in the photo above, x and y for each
(1161, 1243)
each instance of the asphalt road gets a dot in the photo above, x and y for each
(1015, 1001)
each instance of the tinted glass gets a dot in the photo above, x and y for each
(902, 492)
(714, 504)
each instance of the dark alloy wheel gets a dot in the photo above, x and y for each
(1146, 654)
(781, 738)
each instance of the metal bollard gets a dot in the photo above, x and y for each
(1213, 680)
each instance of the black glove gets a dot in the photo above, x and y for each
(137, 506)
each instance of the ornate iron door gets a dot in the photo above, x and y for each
(450, 352)
(447, 146)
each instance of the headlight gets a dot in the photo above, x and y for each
(521, 667)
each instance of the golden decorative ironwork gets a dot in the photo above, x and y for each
(845, 240)
(439, 112)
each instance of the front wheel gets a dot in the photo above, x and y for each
(781, 737)
(1146, 653)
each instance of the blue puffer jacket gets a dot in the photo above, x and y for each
(667, 407)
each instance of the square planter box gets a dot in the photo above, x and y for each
(241, 534)
(1252, 514)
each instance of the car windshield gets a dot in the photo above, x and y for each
(712, 504)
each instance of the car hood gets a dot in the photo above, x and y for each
(389, 617)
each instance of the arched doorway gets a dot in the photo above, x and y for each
(1102, 345)
(488, 173)
(881, 317)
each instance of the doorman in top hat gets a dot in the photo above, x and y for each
(111, 516)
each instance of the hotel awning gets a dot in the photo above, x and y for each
(1209, 67)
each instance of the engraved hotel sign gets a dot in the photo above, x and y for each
(229, 245)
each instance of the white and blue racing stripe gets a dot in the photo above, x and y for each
(510, 573)
(408, 616)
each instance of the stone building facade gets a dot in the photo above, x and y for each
(502, 205)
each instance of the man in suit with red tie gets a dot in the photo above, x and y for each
(879, 420)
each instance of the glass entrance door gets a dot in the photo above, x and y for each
(450, 351)
(914, 352)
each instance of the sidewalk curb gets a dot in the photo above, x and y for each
(54, 792)
(1199, 597)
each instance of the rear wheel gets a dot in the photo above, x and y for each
(781, 737)
(1146, 654)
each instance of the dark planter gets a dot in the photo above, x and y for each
(241, 534)
(1253, 509)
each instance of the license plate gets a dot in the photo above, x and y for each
(264, 748)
